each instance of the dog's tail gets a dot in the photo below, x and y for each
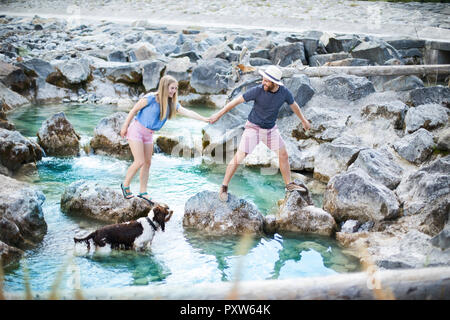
(86, 239)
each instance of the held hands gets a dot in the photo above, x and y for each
(123, 131)
(214, 118)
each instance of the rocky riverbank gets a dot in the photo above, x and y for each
(378, 145)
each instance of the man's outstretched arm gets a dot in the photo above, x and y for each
(230, 105)
(298, 112)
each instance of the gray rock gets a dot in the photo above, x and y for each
(443, 141)
(75, 71)
(287, 54)
(37, 68)
(125, 73)
(416, 147)
(380, 166)
(11, 99)
(394, 111)
(326, 124)
(9, 255)
(107, 139)
(21, 217)
(334, 157)
(348, 87)
(322, 59)
(204, 211)
(425, 193)
(427, 116)
(341, 43)
(442, 240)
(375, 51)
(151, 74)
(117, 56)
(179, 68)
(16, 150)
(14, 77)
(301, 89)
(355, 195)
(88, 199)
(58, 137)
(350, 226)
(211, 76)
(437, 94)
(48, 93)
(402, 83)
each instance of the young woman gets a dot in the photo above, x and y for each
(148, 115)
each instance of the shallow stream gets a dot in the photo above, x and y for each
(178, 256)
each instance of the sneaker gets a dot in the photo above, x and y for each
(223, 193)
(292, 187)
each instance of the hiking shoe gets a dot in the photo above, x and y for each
(223, 193)
(293, 187)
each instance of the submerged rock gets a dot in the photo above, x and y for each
(206, 212)
(93, 200)
(58, 137)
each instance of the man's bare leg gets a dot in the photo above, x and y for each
(231, 169)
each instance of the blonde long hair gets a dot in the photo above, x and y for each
(163, 99)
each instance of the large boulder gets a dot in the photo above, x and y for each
(298, 214)
(287, 54)
(437, 94)
(179, 145)
(75, 71)
(107, 139)
(341, 43)
(301, 88)
(380, 165)
(326, 124)
(37, 68)
(415, 147)
(204, 211)
(49, 93)
(393, 249)
(323, 59)
(393, 111)
(375, 51)
(427, 116)
(442, 240)
(151, 74)
(425, 193)
(355, 195)
(11, 99)
(16, 150)
(13, 77)
(348, 87)
(334, 157)
(89, 199)
(211, 76)
(58, 137)
(22, 221)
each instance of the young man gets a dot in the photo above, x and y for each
(268, 99)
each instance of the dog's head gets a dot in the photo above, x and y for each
(161, 214)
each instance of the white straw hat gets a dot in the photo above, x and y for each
(273, 74)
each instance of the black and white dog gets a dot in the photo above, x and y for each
(136, 235)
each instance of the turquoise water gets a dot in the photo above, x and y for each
(178, 256)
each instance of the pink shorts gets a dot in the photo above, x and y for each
(137, 132)
(253, 134)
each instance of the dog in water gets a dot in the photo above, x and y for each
(136, 235)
